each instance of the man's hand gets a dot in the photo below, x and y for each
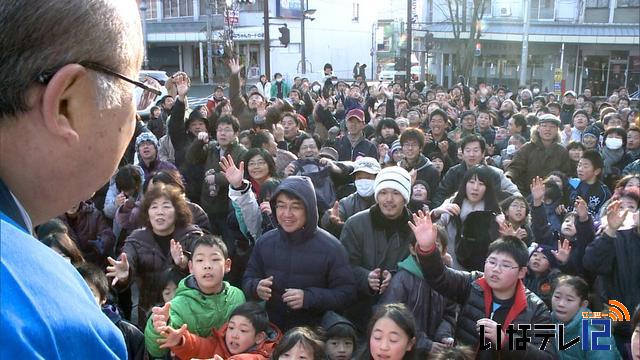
(234, 66)
(581, 209)
(563, 252)
(171, 337)
(119, 269)
(386, 280)
(264, 288)
(334, 214)
(294, 298)
(289, 170)
(160, 316)
(537, 191)
(183, 83)
(424, 231)
(444, 147)
(374, 280)
(278, 132)
(177, 254)
(203, 136)
(233, 174)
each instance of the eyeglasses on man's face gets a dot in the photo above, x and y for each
(45, 76)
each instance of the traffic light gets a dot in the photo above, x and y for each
(428, 41)
(478, 50)
(284, 37)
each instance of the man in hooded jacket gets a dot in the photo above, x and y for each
(300, 270)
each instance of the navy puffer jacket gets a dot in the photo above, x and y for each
(310, 259)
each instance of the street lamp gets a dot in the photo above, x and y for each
(306, 14)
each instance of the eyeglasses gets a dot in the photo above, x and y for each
(45, 76)
(257, 163)
(291, 208)
(502, 267)
(410, 145)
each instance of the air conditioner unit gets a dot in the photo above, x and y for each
(504, 11)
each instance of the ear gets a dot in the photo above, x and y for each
(584, 303)
(597, 171)
(522, 272)
(411, 343)
(191, 267)
(227, 266)
(260, 337)
(62, 100)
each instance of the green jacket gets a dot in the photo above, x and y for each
(200, 312)
(572, 330)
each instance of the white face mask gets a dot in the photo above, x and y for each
(316, 88)
(613, 143)
(511, 149)
(364, 187)
(279, 80)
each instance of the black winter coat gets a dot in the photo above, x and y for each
(473, 293)
(310, 259)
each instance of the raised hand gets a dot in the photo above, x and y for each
(177, 254)
(265, 207)
(183, 83)
(334, 214)
(424, 231)
(233, 174)
(563, 252)
(615, 218)
(160, 316)
(383, 149)
(119, 269)
(264, 288)
(506, 229)
(171, 337)
(581, 209)
(203, 136)
(537, 191)
(234, 66)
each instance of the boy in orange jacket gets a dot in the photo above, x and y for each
(247, 335)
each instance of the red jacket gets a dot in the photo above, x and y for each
(195, 346)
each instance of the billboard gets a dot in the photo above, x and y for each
(291, 9)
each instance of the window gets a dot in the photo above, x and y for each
(152, 10)
(597, 3)
(629, 3)
(177, 8)
(542, 9)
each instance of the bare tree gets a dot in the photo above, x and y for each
(461, 23)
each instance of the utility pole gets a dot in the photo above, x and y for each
(525, 44)
(408, 43)
(303, 57)
(210, 5)
(267, 42)
(143, 9)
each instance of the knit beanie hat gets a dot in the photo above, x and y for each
(546, 251)
(580, 111)
(396, 178)
(147, 136)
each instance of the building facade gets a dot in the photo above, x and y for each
(585, 43)
(338, 32)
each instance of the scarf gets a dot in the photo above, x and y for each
(611, 157)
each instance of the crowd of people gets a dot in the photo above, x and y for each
(313, 220)
(306, 198)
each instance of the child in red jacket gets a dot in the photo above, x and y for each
(247, 335)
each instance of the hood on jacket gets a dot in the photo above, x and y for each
(331, 319)
(300, 187)
(411, 265)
